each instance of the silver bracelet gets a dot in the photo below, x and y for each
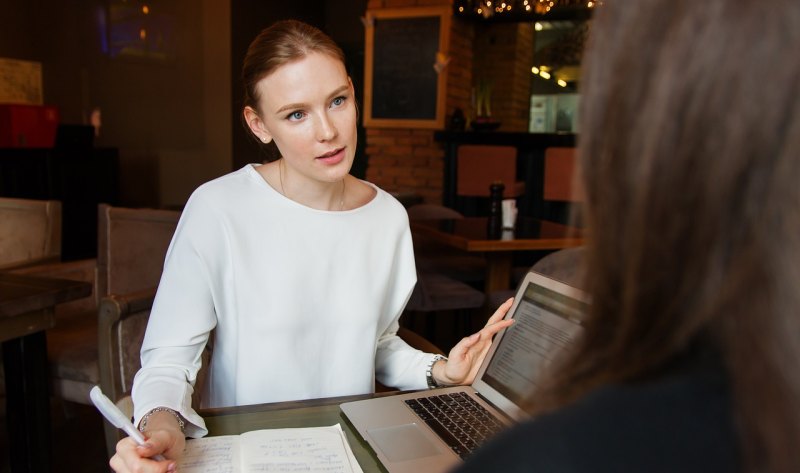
(429, 371)
(146, 417)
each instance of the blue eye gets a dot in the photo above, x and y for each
(338, 101)
(294, 116)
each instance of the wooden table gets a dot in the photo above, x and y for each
(309, 413)
(472, 234)
(26, 311)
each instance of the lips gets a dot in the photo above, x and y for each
(332, 157)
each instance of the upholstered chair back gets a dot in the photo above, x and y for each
(122, 320)
(30, 232)
(132, 245)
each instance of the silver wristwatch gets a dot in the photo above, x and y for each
(429, 371)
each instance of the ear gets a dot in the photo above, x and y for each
(256, 125)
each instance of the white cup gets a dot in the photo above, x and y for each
(509, 213)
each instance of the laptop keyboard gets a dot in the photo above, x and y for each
(458, 419)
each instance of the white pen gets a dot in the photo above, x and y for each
(112, 414)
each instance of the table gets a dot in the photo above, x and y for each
(309, 413)
(26, 311)
(472, 234)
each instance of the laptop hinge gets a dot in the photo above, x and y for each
(498, 410)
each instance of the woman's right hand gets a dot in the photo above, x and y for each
(131, 457)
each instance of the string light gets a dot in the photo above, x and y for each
(519, 9)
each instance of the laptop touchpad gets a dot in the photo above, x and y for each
(404, 442)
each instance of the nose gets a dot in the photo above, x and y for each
(326, 130)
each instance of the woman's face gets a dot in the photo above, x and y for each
(308, 108)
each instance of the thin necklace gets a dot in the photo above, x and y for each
(280, 179)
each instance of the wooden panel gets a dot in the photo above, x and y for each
(480, 165)
(560, 176)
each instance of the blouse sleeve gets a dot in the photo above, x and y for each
(396, 363)
(182, 317)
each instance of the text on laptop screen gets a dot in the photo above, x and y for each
(545, 322)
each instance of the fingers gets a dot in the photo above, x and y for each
(463, 346)
(490, 330)
(131, 457)
(501, 311)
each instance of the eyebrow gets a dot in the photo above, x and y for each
(293, 106)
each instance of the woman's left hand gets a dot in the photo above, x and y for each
(466, 357)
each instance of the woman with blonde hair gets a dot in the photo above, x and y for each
(300, 269)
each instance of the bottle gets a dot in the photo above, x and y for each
(495, 223)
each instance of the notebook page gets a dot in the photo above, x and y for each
(303, 449)
(211, 455)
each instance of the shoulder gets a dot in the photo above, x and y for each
(226, 192)
(385, 200)
(377, 203)
(213, 204)
(221, 186)
(677, 422)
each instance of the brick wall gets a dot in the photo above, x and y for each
(503, 54)
(407, 159)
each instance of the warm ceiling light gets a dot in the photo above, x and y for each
(145, 9)
(544, 74)
(561, 82)
(538, 26)
(535, 70)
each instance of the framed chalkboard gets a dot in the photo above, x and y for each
(404, 72)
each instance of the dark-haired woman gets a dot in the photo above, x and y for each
(690, 150)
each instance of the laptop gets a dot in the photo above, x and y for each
(412, 432)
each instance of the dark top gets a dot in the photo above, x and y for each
(678, 421)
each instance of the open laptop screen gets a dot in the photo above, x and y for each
(546, 322)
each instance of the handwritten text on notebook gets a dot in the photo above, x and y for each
(323, 449)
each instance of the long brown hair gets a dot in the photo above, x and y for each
(690, 151)
(281, 43)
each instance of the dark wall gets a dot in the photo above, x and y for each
(152, 107)
(338, 18)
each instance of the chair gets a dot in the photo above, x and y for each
(444, 279)
(478, 166)
(122, 320)
(436, 296)
(131, 247)
(30, 232)
(562, 192)
(132, 244)
(567, 266)
(434, 257)
(561, 181)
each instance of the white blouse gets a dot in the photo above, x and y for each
(304, 303)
